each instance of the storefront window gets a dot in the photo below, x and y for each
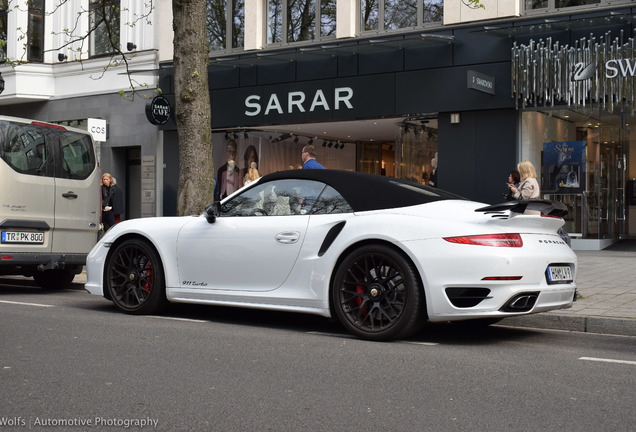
(275, 151)
(583, 157)
(411, 156)
(225, 22)
(416, 158)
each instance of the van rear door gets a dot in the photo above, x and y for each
(77, 189)
(27, 189)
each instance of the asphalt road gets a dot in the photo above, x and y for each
(70, 361)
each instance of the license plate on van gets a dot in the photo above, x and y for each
(559, 274)
(22, 237)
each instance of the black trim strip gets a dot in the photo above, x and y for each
(331, 237)
(22, 224)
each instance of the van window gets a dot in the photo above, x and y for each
(77, 156)
(31, 148)
(23, 148)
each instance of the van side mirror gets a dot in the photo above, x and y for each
(212, 211)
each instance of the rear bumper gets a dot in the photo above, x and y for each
(466, 281)
(28, 263)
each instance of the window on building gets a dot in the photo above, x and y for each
(383, 15)
(35, 34)
(221, 35)
(105, 24)
(557, 4)
(433, 11)
(3, 31)
(300, 20)
(327, 18)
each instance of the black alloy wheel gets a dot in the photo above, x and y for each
(134, 278)
(377, 294)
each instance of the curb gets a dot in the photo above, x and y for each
(586, 324)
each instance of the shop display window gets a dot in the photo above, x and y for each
(583, 156)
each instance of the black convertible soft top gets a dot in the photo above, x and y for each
(366, 192)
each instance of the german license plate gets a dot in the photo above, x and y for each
(22, 237)
(559, 274)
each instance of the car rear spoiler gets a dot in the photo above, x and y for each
(545, 207)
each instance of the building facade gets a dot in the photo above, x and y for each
(58, 65)
(433, 91)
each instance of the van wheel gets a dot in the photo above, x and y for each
(57, 279)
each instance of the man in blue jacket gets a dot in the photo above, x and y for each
(309, 158)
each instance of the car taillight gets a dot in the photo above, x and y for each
(497, 240)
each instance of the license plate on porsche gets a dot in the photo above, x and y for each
(559, 274)
(22, 237)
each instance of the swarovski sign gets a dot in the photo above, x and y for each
(592, 71)
(613, 68)
(620, 67)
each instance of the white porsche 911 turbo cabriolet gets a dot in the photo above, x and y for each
(381, 255)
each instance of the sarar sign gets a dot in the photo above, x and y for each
(299, 102)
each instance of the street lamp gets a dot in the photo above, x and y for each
(1, 83)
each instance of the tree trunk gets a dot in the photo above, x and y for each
(192, 106)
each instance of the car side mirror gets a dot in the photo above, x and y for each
(212, 211)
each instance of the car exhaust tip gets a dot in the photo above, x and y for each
(522, 302)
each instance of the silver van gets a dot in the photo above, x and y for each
(49, 200)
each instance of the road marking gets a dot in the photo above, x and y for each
(25, 304)
(608, 360)
(179, 319)
(423, 343)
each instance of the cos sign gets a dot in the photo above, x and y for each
(97, 128)
(158, 110)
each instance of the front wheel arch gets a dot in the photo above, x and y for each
(159, 300)
(112, 248)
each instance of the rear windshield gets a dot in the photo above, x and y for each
(33, 149)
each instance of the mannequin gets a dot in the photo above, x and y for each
(433, 179)
(228, 174)
(252, 174)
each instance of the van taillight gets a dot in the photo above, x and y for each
(35, 123)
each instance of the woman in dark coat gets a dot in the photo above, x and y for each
(112, 201)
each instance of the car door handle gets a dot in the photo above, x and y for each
(70, 195)
(289, 237)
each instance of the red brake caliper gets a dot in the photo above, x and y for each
(148, 272)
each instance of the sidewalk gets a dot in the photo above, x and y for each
(606, 282)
